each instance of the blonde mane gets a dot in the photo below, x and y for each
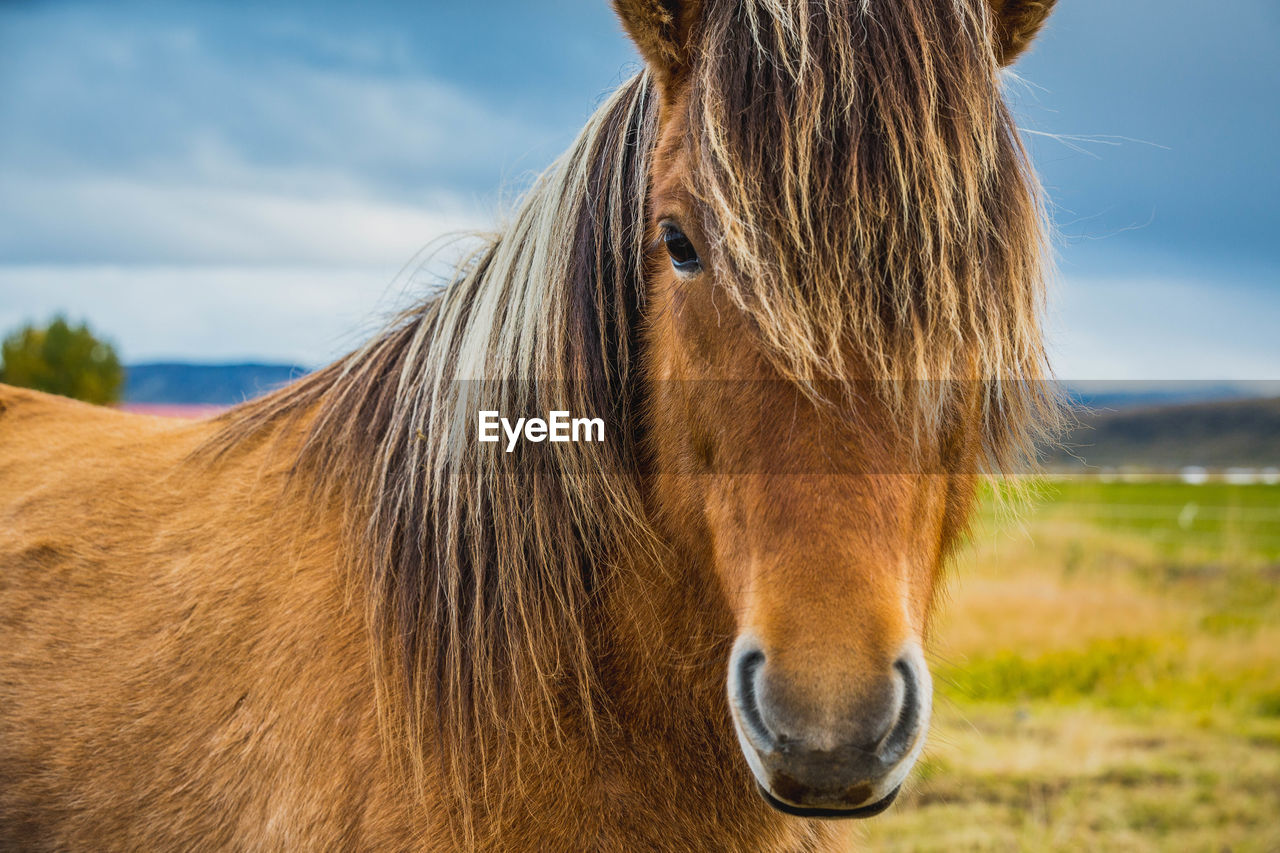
(481, 565)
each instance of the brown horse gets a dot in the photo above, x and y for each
(334, 619)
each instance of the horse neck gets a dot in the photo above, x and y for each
(666, 639)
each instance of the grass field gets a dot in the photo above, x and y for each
(1108, 677)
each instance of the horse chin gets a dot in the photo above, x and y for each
(829, 813)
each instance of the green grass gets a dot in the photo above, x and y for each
(1102, 670)
(1108, 677)
(1236, 522)
(1131, 673)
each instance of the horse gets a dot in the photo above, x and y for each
(795, 264)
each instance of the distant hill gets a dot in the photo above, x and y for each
(1129, 394)
(1235, 433)
(204, 384)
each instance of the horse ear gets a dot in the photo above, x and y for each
(1016, 24)
(661, 30)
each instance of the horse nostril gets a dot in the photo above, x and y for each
(746, 668)
(902, 735)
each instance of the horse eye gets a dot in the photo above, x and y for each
(683, 256)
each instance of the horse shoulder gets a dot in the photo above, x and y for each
(176, 637)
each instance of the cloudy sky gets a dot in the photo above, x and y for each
(207, 181)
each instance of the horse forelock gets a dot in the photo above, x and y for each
(869, 205)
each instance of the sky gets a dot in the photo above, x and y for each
(209, 181)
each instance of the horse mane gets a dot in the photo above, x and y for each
(481, 566)
(864, 192)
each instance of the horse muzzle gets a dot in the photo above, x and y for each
(841, 756)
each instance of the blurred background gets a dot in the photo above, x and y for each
(199, 201)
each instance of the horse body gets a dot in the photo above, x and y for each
(157, 666)
(331, 618)
(168, 686)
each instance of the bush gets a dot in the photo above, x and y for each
(62, 359)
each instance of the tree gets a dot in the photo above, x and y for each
(62, 359)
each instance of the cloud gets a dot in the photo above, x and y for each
(299, 315)
(1169, 112)
(1165, 327)
(121, 220)
(138, 142)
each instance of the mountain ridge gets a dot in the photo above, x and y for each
(182, 383)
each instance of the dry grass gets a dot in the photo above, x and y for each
(1104, 685)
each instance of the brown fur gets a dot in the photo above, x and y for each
(1017, 23)
(663, 31)
(331, 620)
